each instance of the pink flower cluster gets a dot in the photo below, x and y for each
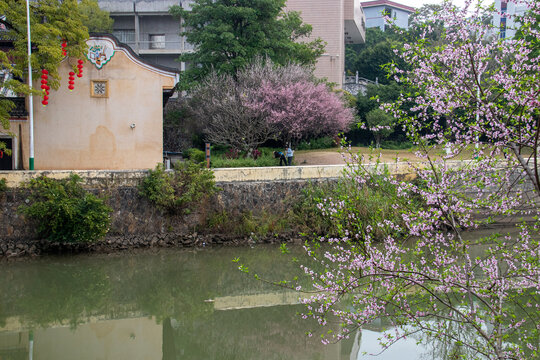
(449, 274)
(302, 109)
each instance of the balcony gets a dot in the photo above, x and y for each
(157, 44)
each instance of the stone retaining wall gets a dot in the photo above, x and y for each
(138, 223)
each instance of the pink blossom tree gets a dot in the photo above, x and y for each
(449, 274)
(264, 101)
(302, 109)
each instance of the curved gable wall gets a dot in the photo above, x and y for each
(78, 131)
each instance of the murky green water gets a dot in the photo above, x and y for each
(166, 304)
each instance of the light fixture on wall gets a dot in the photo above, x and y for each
(132, 126)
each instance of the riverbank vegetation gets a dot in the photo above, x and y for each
(179, 191)
(310, 212)
(65, 212)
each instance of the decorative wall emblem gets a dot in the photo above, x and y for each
(100, 52)
(99, 88)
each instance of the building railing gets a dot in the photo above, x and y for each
(162, 45)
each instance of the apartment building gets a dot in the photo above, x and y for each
(149, 29)
(376, 11)
(336, 22)
(153, 33)
(505, 17)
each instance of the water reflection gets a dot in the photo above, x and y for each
(168, 304)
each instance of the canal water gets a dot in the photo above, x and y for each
(167, 304)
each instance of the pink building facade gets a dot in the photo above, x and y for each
(336, 22)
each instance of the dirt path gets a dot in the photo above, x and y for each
(334, 157)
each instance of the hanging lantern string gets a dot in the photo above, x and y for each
(80, 67)
(44, 86)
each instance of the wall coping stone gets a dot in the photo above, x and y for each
(119, 178)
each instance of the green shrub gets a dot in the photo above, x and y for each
(320, 143)
(195, 155)
(396, 145)
(64, 211)
(221, 162)
(178, 190)
(265, 158)
(3, 185)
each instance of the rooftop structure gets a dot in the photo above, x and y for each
(376, 11)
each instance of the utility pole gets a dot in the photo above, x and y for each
(31, 101)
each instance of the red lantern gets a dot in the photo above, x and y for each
(71, 82)
(44, 86)
(64, 44)
(80, 67)
(1, 154)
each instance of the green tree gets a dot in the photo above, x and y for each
(52, 22)
(375, 94)
(229, 34)
(371, 100)
(369, 58)
(423, 17)
(381, 124)
(95, 19)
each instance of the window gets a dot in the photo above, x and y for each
(99, 88)
(125, 36)
(157, 41)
